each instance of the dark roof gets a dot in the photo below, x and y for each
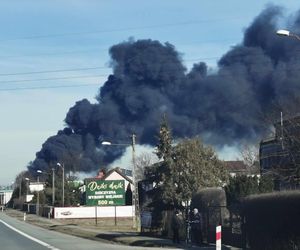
(269, 140)
(236, 166)
(241, 167)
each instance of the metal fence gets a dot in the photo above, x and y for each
(231, 221)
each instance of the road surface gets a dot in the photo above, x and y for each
(15, 234)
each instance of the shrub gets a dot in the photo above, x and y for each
(209, 197)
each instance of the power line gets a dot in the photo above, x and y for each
(91, 50)
(104, 75)
(218, 74)
(91, 68)
(294, 69)
(83, 69)
(80, 69)
(49, 87)
(52, 71)
(119, 29)
(51, 79)
(53, 53)
(103, 67)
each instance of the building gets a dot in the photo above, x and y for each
(5, 196)
(236, 168)
(279, 155)
(272, 155)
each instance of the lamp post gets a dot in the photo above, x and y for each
(53, 187)
(287, 33)
(27, 180)
(187, 205)
(135, 193)
(63, 182)
(20, 189)
(38, 192)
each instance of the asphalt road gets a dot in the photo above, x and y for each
(15, 234)
(12, 240)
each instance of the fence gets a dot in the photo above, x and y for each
(91, 212)
(43, 210)
(79, 212)
(231, 221)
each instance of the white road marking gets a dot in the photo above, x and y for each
(30, 237)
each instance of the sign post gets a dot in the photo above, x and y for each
(96, 216)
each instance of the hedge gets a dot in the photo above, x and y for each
(272, 221)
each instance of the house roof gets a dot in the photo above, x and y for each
(119, 172)
(241, 167)
(236, 166)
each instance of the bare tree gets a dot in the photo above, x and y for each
(145, 159)
(249, 154)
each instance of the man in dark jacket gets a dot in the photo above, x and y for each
(196, 227)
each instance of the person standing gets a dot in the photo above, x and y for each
(175, 225)
(196, 227)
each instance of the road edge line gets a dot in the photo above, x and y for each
(29, 237)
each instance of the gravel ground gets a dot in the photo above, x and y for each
(104, 230)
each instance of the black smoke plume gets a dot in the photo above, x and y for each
(149, 80)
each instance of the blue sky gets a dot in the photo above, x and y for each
(72, 38)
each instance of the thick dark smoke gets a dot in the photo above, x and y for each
(149, 80)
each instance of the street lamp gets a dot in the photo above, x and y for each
(135, 194)
(53, 187)
(27, 180)
(287, 33)
(38, 192)
(20, 189)
(63, 182)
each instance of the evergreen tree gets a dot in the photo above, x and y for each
(241, 186)
(195, 166)
(266, 184)
(164, 146)
(184, 169)
(163, 174)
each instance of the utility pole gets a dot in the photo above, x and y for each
(27, 187)
(38, 192)
(135, 194)
(63, 182)
(38, 197)
(281, 130)
(135, 191)
(20, 189)
(53, 187)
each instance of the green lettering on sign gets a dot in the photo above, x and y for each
(104, 192)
